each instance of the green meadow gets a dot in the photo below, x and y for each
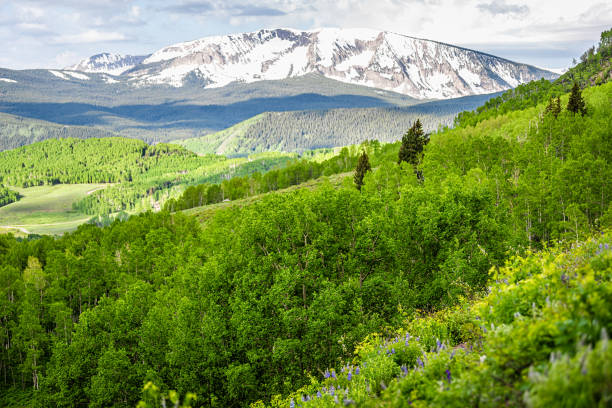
(46, 209)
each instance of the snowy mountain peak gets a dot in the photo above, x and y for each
(113, 64)
(380, 59)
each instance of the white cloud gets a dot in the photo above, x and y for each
(88, 37)
(47, 28)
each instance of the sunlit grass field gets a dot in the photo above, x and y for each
(46, 209)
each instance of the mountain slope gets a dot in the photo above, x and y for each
(114, 64)
(410, 66)
(313, 129)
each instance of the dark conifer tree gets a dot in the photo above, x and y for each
(412, 144)
(576, 103)
(363, 166)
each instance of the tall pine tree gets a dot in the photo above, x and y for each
(576, 103)
(412, 144)
(363, 166)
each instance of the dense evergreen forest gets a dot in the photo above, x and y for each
(473, 269)
(313, 129)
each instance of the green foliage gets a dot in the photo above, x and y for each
(293, 173)
(538, 338)
(595, 68)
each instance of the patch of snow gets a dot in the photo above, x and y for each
(109, 80)
(59, 74)
(76, 75)
(8, 80)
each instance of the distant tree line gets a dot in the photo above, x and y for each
(293, 173)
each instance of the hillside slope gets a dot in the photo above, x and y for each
(313, 129)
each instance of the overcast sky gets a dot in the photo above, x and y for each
(57, 33)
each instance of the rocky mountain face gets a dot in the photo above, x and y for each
(113, 64)
(379, 59)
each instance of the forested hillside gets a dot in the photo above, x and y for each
(16, 131)
(263, 298)
(594, 68)
(141, 174)
(313, 129)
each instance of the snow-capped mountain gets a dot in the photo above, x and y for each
(411, 66)
(113, 64)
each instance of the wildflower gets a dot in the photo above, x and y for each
(304, 398)
(419, 362)
(393, 350)
(348, 401)
(438, 345)
(383, 385)
(452, 354)
(318, 394)
(357, 371)
(332, 390)
(292, 404)
(448, 376)
(350, 376)
(326, 374)
(336, 399)
(404, 370)
(333, 374)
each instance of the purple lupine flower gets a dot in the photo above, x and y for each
(326, 374)
(332, 390)
(349, 376)
(318, 394)
(336, 399)
(304, 398)
(333, 374)
(357, 371)
(393, 350)
(448, 376)
(452, 354)
(419, 362)
(438, 345)
(404, 370)
(292, 404)
(324, 389)
(363, 364)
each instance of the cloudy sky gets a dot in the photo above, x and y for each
(56, 33)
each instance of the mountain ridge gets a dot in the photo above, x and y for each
(420, 68)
